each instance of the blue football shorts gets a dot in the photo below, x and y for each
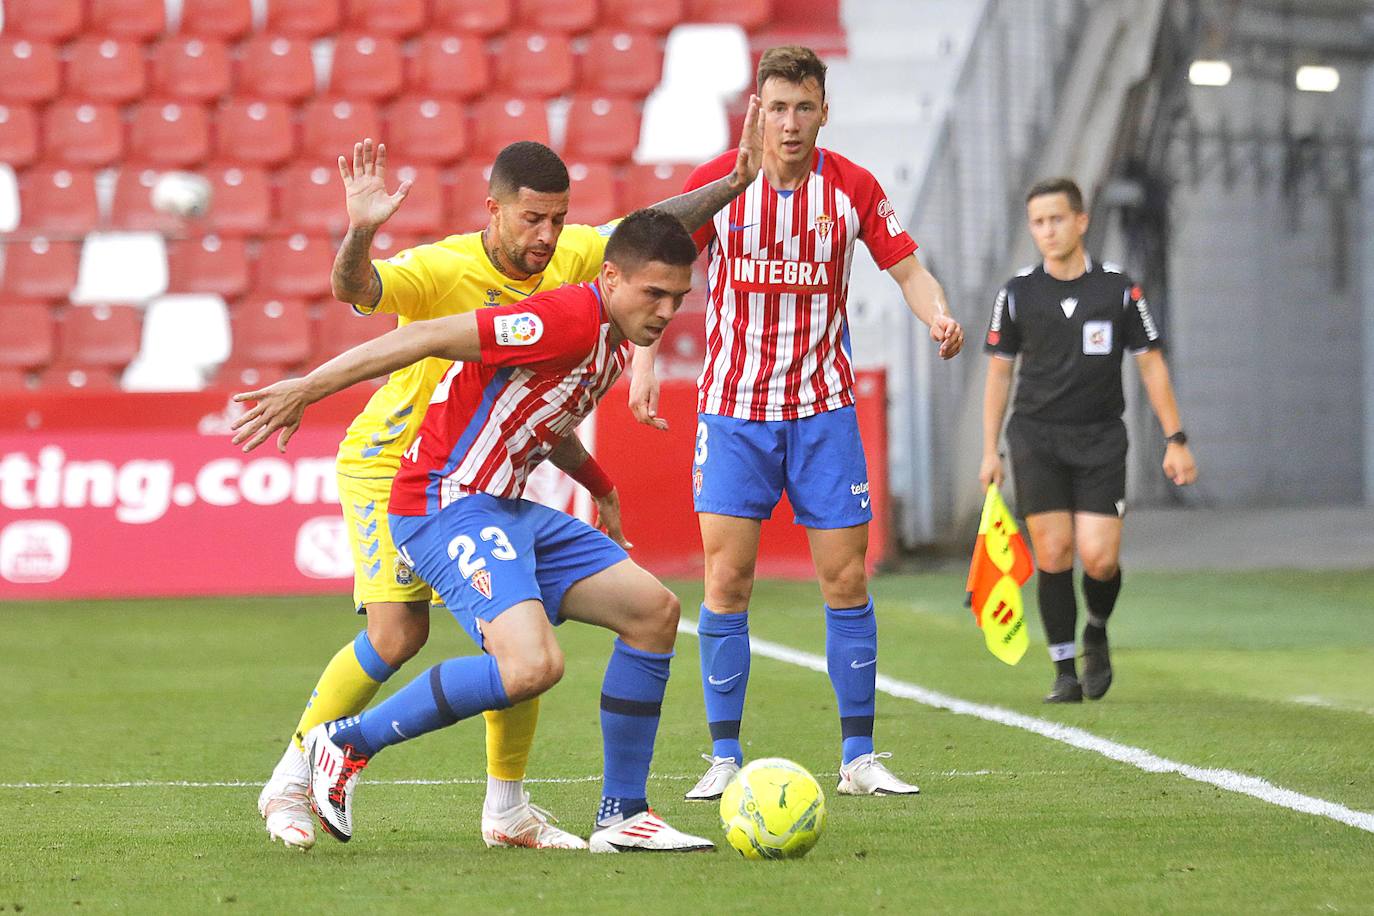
(483, 554)
(742, 467)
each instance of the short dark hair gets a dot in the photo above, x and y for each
(526, 164)
(650, 235)
(1066, 186)
(792, 63)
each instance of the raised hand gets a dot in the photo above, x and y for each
(368, 203)
(279, 407)
(750, 158)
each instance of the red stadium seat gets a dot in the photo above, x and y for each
(649, 184)
(605, 129)
(58, 201)
(269, 332)
(18, 135)
(338, 328)
(30, 70)
(621, 63)
(332, 126)
(98, 337)
(311, 199)
(47, 20)
(210, 264)
(465, 198)
(427, 130)
(227, 20)
(255, 131)
(748, 14)
(133, 204)
(170, 134)
(485, 17)
(535, 64)
(502, 120)
(27, 336)
(295, 266)
(422, 213)
(139, 20)
(241, 199)
(303, 18)
(276, 67)
(365, 67)
(592, 193)
(40, 269)
(656, 16)
(396, 18)
(105, 69)
(567, 16)
(196, 69)
(449, 65)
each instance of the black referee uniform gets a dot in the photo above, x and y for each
(1066, 436)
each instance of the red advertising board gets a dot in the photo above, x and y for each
(131, 495)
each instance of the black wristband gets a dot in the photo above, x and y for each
(1178, 438)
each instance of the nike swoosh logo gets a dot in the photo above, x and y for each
(735, 228)
(858, 664)
(863, 503)
(396, 727)
(711, 679)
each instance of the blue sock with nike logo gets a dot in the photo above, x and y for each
(724, 641)
(851, 657)
(631, 704)
(451, 690)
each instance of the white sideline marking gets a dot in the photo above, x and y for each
(1324, 703)
(250, 783)
(1137, 757)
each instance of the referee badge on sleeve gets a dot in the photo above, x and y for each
(1097, 338)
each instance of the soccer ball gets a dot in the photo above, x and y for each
(773, 809)
(182, 194)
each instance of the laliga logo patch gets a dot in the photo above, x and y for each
(885, 212)
(481, 580)
(518, 330)
(823, 224)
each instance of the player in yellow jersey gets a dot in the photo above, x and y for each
(524, 248)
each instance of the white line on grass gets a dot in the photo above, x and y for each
(255, 784)
(1137, 757)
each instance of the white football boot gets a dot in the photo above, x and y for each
(333, 778)
(527, 825)
(646, 832)
(712, 785)
(284, 802)
(866, 775)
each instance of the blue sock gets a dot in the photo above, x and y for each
(851, 656)
(631, 702)
(724, 641)
(451, 690)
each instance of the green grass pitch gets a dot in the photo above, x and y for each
(1268, 674)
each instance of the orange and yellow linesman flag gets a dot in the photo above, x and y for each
(1001, 565)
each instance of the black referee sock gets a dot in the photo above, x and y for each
(1100, 596)
(1059, 614)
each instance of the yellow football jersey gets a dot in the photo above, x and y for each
(447, 277)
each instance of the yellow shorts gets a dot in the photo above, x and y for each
(378, 573)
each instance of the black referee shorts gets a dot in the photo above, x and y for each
(1068, 467)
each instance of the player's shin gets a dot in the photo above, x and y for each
(452, 690)
(1100, 597)
(349, 682)
(724, 646)
(851, 656)
(1059, 613)
(631, 703)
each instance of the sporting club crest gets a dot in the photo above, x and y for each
(481, 580)
(823, 224)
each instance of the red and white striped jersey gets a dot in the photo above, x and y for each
(776, 330)
(545, 363)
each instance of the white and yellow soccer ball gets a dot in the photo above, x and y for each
(773, 809)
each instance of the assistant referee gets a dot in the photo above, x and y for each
(1070, 319)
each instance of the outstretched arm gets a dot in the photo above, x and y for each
(1179, 465)
(353, 280)
(281, 406)
(696, 207)
(926, 299)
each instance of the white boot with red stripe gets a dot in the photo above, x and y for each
(646, 832)
(333, 777)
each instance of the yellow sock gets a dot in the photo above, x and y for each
(346, 687)
(510, 733)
